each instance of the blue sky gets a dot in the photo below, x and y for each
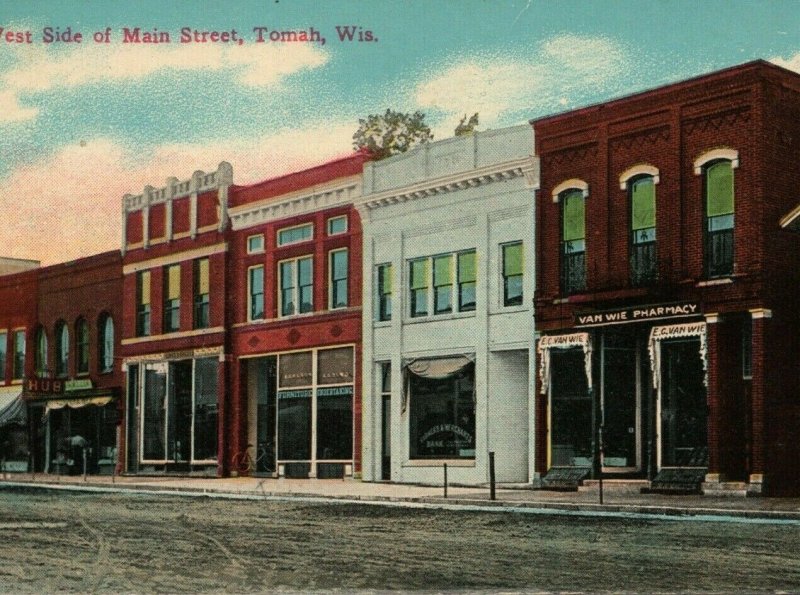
(82, 124)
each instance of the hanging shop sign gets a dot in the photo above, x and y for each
(44, 386)
(637, 314)
(78, 384)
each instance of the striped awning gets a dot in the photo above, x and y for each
(12, 407)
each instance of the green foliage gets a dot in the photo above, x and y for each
(390, 133)
(465, 126)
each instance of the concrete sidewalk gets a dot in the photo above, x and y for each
(616, 498)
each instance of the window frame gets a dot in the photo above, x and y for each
(280, 244)
(171, 306)
(505, 278)
(251, 294)
(726, 234)
(643, 248)
(201, 302)
(249, 243)
(61, 336)
(41, 353)
(3, 353)
(82, 346)
(296, 287)
(332, 280)
(20, 347)
(565, 246)
(457, 286)
(143, 308)
(383, 299)
(328, 225)
(103, 352)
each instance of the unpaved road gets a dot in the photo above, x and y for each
(134, 543)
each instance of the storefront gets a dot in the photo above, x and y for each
(73, 426)
(173, 409)
(14, 443)
(627, 397)
(300, 412)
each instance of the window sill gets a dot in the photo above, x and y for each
(439, 317)
(439, 462)
(382, 323)
(713, 282)
(509, 310)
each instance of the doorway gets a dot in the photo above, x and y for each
(619, 397)
(571, 411)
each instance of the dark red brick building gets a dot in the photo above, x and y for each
(74, 387)
(667, 291)
(174, 324)
(294, 297)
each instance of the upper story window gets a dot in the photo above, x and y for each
(105, 344)
(201, 293)
(573, 240)
(81, 346)
(383, 274)
(337, 290)
(255, 244)
(337, 225)
(433, 287)
(62, 349)
(19, 355)
(172, 298)
(3, 343)
(255, 292)
(642, 198)
(513, 287)
(296, 234)
(719, 215)
(40, 361)
(296, 282)
(143, 303)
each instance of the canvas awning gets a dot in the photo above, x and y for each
(76, 403)
(12, 407)
(434, 368)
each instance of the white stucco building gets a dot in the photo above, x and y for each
(448, 318)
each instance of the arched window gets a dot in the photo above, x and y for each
(642, 199)
(81, 346)
(573, 240)
(105, 344)
(719, 216)
(40, 360)
(62, 349)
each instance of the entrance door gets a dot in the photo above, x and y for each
(266, 388)
(386, 437)
(179, 436)
(683, 409)
(620, 403)
(570, 410)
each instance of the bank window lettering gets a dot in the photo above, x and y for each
(296, 234)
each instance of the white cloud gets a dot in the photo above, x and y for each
(40, 69)
(793, 63)
(12, 111)
(68, 205)
(493, 85)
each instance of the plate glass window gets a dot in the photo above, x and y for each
(338, 277)
(296, 234)
(255, 292)
(172, 298)
(512, 274)
(719, 204)
(642, 192)
(337, 225)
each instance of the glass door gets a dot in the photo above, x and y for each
(620, 403)
(683, 408)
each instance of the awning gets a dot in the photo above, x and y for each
(12, 407)
(76, 403)
(434, 368)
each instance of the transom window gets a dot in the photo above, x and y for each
(296, 234)
(573, 240)
(296, 286)
(719, 206)
(642, 196)
(255, 244)
(337, 225)
(435, 289)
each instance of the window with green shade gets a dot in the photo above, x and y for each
(466, 281)
(512, 274)
(384, 282)
(418, 275)
(142, 303)
(642, 194)
(442, 284)
(719, 207)
(574, 216)
(573, 240)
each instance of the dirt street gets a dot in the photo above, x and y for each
(134, 543)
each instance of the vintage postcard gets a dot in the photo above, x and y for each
(404, 295)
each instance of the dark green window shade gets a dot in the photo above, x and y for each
(441, 271)
(419, 274)
(466, 267)
(512, 260)
(574, 205)
(719, 189)
(643, 204)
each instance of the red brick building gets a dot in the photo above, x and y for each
(18, 312)
(294, 297)
(666, 290)
(74, 388)
(174, 324)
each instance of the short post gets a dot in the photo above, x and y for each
(84, 463)
(445, 480)
(491, 476)
(601, 461)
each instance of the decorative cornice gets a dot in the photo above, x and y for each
(198, 183)
(497, 172)
(299, 203)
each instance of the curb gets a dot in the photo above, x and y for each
(653, 512)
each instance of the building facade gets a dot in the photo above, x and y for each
(74, 391)
(448, 318)
(174, 325)
(295, 322)
(666, 291)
